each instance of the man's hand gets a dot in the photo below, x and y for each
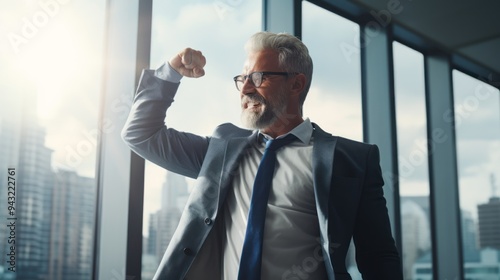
(189, 63)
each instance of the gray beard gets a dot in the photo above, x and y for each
(258, 120)
(271, 111)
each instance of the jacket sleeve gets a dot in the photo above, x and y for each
(146, 133)
(376, 253)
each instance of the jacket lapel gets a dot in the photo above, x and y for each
(323, 157)
(234, 151)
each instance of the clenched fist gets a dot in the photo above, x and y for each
(189, 63)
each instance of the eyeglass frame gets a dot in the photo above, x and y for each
(237, 79)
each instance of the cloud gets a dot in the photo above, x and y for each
(337, 113)
(331, 67)
(58, 67)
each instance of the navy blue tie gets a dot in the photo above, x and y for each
(251, 255)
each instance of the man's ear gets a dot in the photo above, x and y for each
(299, 83)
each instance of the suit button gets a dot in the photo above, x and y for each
(208, 221)
(187, 252)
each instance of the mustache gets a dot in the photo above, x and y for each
(253, 97)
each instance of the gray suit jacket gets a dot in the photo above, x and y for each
(347, 187)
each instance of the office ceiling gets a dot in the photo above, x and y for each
(466, 27)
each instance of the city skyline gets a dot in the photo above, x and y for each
(163, 222)
(54, 209)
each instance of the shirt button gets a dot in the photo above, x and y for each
(187, 251)
(208, 221)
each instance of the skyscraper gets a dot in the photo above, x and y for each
(22, 147)
(470, 247)
(489, 223)
(54, 211)
(163, 223)
(33, 197)
(9, 156)
(72, 227)
(416, 230)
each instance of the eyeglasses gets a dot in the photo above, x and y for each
(257, 78)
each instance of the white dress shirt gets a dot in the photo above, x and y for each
(291, 235)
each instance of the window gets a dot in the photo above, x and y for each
(412, 159)
(477, 124)
(334, 100)
(48, 122)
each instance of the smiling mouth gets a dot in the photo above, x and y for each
(252, 102)
(252, 105)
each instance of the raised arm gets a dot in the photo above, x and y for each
(145, 131)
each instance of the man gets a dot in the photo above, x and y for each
(321, 192)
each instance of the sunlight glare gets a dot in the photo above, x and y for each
(53, 64)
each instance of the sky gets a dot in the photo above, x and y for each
(54, 50)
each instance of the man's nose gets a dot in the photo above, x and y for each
(247, 87)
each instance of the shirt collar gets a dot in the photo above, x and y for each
(303, 132)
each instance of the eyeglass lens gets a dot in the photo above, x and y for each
(255, 77)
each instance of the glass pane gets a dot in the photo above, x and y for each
(477, 123)
(50, 86)
(334, 100)
(220, 30)
(409, 86)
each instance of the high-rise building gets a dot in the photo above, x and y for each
(9, 148)
(22, 147)
(416, 230)
(150, 247)
(33, 197)
(174, 192)
(72, 227)
(33, 205)
(470, 246)
(163, 223)
(9, 155)
(489, 223)
(54, 211)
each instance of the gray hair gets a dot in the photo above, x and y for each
(293, 55)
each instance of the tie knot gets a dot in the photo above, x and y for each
(274, 144)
